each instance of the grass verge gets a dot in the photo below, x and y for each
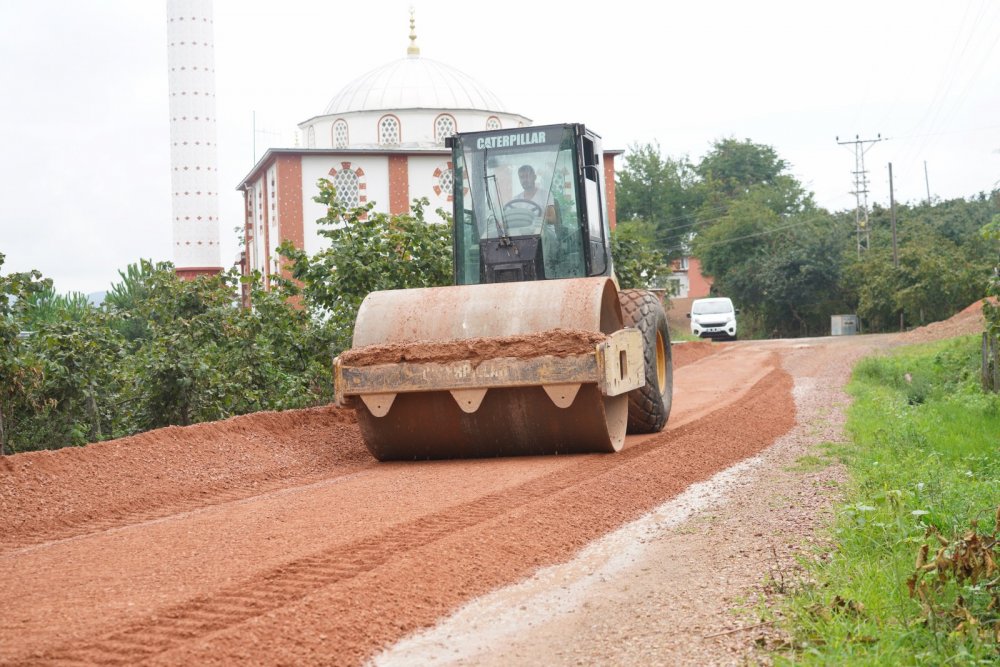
(912, 576)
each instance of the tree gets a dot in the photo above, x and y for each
(125, 296)
(367, 251)
(933, 281)
(658, 191)
(19, 374)
(732, 248)
(784, 272)
(991, 309)
(737, 166)
(734, 169)
(206, 358)
(637, 261)
(45, 306)
(801, 276)
(78, 353)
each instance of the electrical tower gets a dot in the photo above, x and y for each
(860, 191)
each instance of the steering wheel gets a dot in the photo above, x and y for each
(524, 204)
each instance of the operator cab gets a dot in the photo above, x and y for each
(529, 205)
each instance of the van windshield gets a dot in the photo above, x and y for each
(711, 307)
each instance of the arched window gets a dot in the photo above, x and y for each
(311, 137)
(444, 126)
(492, 123)
(389, 130)
(348, 186)
(447, 181)
(339, 133)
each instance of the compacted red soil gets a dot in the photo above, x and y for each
(275, 538)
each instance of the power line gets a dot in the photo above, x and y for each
(798, 223)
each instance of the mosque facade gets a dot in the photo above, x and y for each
(380, 140)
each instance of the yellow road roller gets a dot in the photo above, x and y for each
(534, 350)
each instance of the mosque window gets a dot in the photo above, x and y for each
(348, 187)
(444, 126)
(446, 181)
(340, 133)
(388, 130)
(311, 137)
(492, 123)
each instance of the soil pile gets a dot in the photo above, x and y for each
(969, 321)
(557, 343)
(688, 353)
(56, 494)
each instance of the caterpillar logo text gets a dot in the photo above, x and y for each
(507, 140)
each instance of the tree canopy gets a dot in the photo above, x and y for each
(160, 351)
(790, 264)
(657, 191)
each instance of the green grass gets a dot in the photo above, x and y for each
(924, 457)
(678, 335)
(809, 463)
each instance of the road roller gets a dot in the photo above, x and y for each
(534, 350)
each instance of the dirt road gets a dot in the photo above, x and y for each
(276, 539)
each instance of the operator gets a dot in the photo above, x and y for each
(526, 174)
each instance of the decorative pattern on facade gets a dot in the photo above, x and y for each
(444, 181)
(340, 136)
(349, 184)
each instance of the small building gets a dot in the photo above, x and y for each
(687, 280)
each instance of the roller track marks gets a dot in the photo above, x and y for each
(199, 617)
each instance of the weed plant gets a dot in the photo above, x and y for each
(902, 585)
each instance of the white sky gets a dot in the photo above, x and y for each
(84, 128)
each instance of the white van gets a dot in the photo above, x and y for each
(713, 318)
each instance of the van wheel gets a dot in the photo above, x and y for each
(649, 405)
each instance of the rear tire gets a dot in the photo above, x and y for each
(649, 405)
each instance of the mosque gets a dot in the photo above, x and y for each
(380, 140)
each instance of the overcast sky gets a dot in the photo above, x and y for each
(85, 179)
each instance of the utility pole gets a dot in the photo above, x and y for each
(860, 191)
(927, 181)
(892, 216)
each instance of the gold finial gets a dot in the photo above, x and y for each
(413, 49)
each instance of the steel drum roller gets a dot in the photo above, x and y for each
(456, 410)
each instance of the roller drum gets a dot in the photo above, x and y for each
(509, 421)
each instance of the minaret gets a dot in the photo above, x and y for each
(194, 171)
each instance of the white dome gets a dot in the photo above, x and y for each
(414, 83)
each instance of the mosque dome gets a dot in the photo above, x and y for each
(413, 103)
(414, 82)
